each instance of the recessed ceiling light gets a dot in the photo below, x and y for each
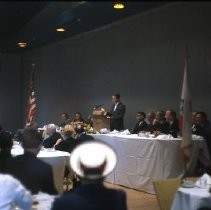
(61, 29)
(119, 5)
(22, 44)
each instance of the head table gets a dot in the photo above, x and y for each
(57, 159)
(142, 160)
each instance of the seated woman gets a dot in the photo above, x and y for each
(68, 142)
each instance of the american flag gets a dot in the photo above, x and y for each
(31, 109)
(185, 118)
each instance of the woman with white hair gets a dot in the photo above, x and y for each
(53, 136)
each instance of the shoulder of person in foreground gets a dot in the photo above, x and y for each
(14, 191)
(77, 199)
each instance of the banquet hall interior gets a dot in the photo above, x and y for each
(82, 52)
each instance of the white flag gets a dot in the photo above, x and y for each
(186, 118)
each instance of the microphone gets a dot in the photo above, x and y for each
(97, 106)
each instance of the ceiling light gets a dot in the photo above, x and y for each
(61, 29)
(22, 44)
(119, 6)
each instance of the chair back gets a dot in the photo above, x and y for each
(165, 190)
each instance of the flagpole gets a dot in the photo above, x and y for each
(185, 117)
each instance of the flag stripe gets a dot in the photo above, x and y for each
(32, 101)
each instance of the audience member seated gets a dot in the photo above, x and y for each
(67, 143)
(159, 123)
(141, 125)
(18, 134)
(13, 194)
(78, 119)
(92, 162)
(65, 119)
(53, 136)
(81, 136)
(173, 123)
(6, 143)
(35, 174)
(202, 127)
(150, 117)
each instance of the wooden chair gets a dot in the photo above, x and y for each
(165, 190)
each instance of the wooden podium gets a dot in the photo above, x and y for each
(100, 120)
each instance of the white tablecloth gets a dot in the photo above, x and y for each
(43, 201)
(191, 199)
(143, 160)
(57, 159)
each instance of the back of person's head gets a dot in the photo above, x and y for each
(6, 140)
(51, 129)
(68, 130)
(93, 160)
(31, 139)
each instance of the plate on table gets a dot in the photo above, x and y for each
(188, 184)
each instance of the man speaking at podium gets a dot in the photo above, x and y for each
(117, 112)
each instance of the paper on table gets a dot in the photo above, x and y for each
(125, 132)
(203, 181)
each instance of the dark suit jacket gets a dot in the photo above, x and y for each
(173, 128)
(34, 174)
(92, 197)
(140, 127)
(67, 145)
(117, 116)
(162, 127)
(51, 140)
(4, 155)
(84, 138)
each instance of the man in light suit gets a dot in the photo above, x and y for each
(117, 113)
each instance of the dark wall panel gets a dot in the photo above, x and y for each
(10, 91)
(142, 58)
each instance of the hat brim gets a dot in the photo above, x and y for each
(89, 148)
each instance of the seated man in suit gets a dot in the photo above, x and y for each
(65, 119)
(160, 126)
(13, 194)
(150, 117)
(141, 125)
(92, 162)
(173, 123)
(53, 136)
(35, 174)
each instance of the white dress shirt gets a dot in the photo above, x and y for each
(13, 193)
(115, 106)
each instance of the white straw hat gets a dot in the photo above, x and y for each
(93, 160)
